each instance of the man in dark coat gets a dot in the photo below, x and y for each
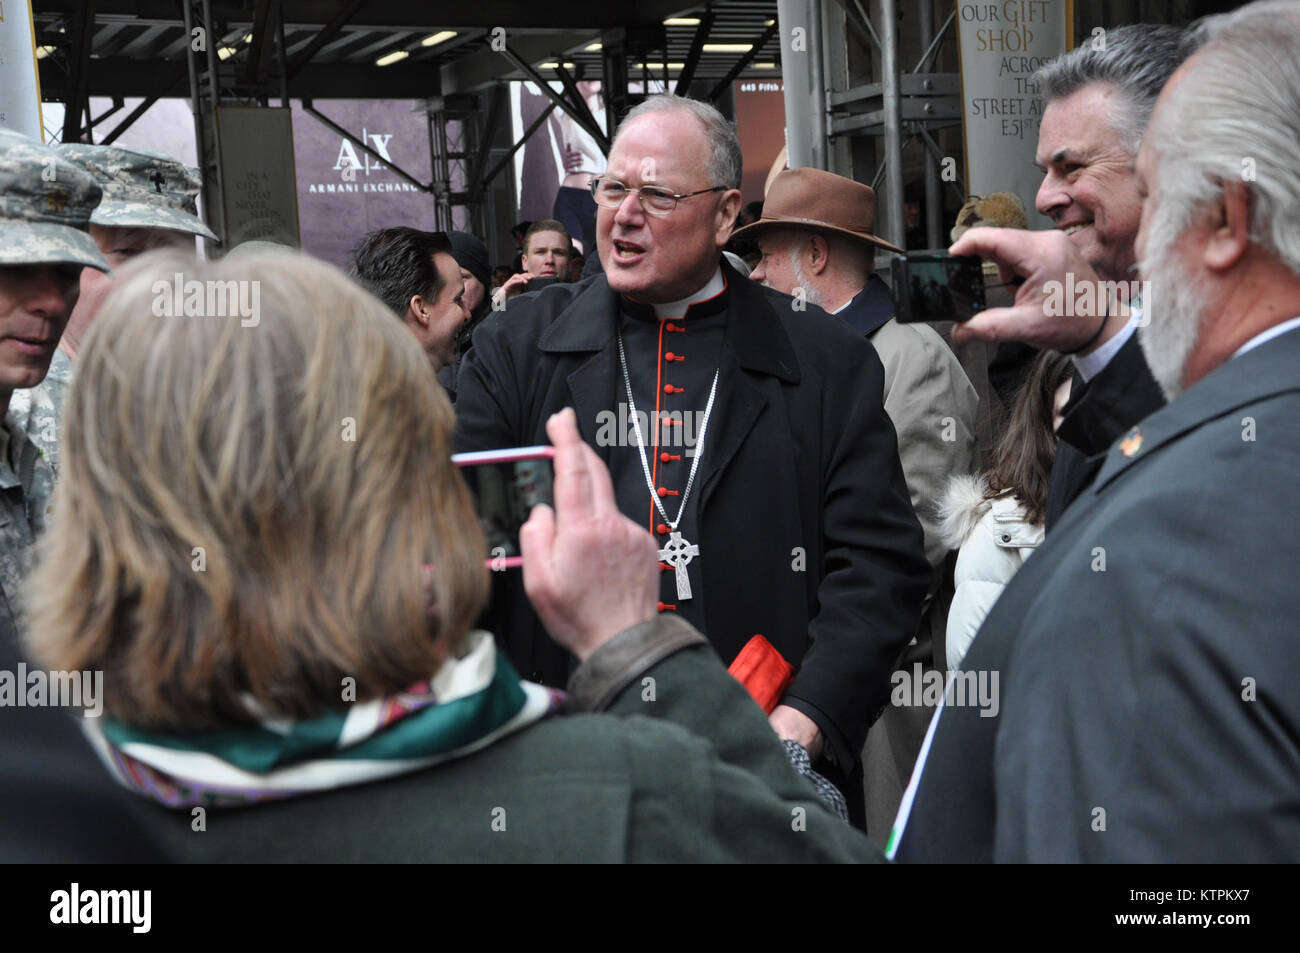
(748, 435)
(1148, 652)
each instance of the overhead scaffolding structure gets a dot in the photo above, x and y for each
(871, 86)
(248, 52)
(859, 90)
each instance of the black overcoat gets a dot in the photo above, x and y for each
(800, 486)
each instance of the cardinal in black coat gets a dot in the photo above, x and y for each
(798, 504)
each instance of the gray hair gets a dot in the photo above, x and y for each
(725, 159)
(1234, 118)
(1138, 59)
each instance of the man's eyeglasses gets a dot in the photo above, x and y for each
(611, 193)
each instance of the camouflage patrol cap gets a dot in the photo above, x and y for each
(45, 206)
(142, 188)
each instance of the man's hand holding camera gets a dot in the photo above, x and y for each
(589, 570)
(1039, 258)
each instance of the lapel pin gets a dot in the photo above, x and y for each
(1132, 443)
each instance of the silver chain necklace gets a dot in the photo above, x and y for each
(678, 551)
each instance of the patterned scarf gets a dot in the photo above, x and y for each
(470, 703)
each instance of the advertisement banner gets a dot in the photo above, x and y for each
(20, 85)
(345, 192)
(554, 169)
(1001, 45)
(257, 175)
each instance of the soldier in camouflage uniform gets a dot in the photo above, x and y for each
(45, 207)
(149, 202)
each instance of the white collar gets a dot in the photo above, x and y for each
(676, 309)
(1267, 335)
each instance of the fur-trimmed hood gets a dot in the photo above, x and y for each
(962, 507)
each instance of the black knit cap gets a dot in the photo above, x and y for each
(471, 254)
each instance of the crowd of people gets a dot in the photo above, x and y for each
(250, 526)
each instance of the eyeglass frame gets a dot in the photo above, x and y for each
(595, 185)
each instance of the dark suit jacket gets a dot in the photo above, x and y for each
(801, 493)
(1148, 709)
(1097, 414)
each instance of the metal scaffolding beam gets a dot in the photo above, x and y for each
(496, 170)
(725, 83)
(805, 105)
(693, 57)
(311, 110)
(585, 121)
(894, 229)
(580, 105)
(83, 31)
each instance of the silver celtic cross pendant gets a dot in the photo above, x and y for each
(677, 552)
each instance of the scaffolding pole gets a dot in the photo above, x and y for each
(805, 92)
(894, 230)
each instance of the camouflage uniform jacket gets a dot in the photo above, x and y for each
(26, 485)
(39, 410)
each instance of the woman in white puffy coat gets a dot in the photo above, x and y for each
(995, 520)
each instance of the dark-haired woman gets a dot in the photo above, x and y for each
(995, 520)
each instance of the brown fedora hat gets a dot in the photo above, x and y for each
(821, 201)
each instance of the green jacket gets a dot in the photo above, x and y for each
(673, 762)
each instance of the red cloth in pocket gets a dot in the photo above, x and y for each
(763, 672)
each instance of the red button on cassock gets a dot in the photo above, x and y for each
(661, 528)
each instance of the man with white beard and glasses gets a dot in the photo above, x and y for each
(1148, 652)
